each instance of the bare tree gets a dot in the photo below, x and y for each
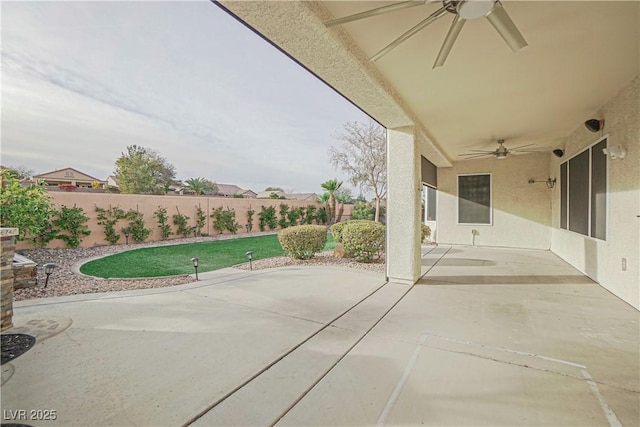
(363, 157)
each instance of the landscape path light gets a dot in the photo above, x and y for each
(250, 256)
(48, 269)
(126, 236)
(195, 260)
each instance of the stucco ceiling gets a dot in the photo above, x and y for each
(580, 54)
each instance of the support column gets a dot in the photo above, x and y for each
(7, 235)
(403, 206)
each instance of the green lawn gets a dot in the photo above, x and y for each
(176, 259)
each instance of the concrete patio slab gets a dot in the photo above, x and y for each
(159, 358)
(487, 337)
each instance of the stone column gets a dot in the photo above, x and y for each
(403, 206)
(7, 236)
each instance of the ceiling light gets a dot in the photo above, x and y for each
(472, 9)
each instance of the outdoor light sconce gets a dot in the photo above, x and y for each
(551, 182)
(195, 260)
(616, 152)
(126, 236)
(48, 269)
(249, 255)
(594, 125)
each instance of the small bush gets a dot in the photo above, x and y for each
(336, 229)
(73, 222)
(163, 222)
(363, 240)
(303, 241)
(425, 232)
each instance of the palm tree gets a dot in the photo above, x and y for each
(199, 185)
(331, 186)
(343, 196)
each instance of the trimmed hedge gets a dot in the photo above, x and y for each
(303, 241)
(336, 229)
(363, 239)
(425, 232)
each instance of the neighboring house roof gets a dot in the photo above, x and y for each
(267, 194)
(233, 190)
(111, 181)
(302, 196)
(66, 174)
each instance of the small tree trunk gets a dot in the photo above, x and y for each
(377, 217)
(340, 212)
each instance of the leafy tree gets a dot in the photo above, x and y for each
(19, 172)
(274, 189)
(363, 156)
(143, 171)
(73, 222)
(26, 208)
(362, 210)
(332, 186)
(199, 186)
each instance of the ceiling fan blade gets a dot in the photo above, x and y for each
(477, 156)
(488, 153)
(522, 146)
(377, 11)
(499, 18)
(429, 20)
(450, 39)
(484, 151)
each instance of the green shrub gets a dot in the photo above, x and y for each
(267, 217)
(73, 222)
(225, 219)
(425, 232)
(303, 241)
(136, 228)
(362, 210)
(250, 213)
(284, 210)
(163, 222)
(108, 218)
(363, 240)
(201, 218)
(336, 229)
(182, 221)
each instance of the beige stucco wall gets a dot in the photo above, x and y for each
(602, 260)
(521, 211)
(148, 204)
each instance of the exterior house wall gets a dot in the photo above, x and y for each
(148, 204)
(521, 211)
(602, 260)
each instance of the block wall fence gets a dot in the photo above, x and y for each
(148, 204)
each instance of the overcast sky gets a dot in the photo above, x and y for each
(82, 80)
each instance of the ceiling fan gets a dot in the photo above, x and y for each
(501, 152)
(463, 10)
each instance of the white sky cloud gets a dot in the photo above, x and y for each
(82, 80)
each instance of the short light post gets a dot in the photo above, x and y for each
(126, 236)
(195, 260)
(250, 256)
(48, 269)
(247, 226)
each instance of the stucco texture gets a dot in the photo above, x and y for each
(602, 260)
(521, 211)
(148, 204)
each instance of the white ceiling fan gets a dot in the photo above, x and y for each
(463, 10)
(501, 152)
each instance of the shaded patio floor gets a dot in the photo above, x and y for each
(487, 337)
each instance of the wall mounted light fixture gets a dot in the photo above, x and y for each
(551, 182)
(594, 125)
(616, 152)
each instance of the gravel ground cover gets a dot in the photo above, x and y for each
(65, 280)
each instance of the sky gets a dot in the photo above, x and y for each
(83, 80)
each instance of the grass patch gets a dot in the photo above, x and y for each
(176, 259)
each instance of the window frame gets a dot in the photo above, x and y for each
(490, 223)
(588, 148)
